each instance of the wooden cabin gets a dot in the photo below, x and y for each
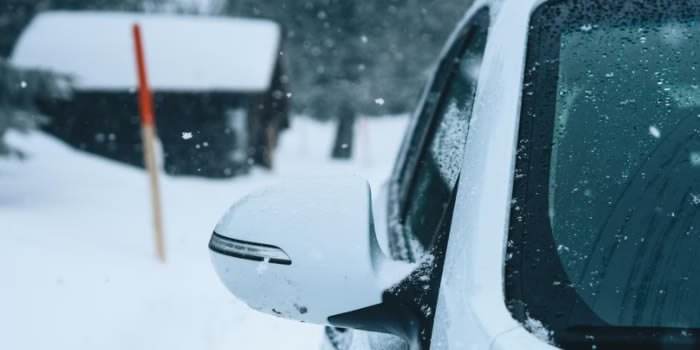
(219, 86)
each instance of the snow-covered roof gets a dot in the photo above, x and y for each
(183, 53)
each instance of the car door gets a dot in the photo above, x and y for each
(423, 184)
(427, 175)
(431, 158)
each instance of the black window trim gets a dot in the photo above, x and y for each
(404, 171)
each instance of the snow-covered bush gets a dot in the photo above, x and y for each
(20, 91)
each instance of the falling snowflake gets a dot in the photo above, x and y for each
(379, 101)
(654, 131)
(695, 198)
(186, 135)
(695, 159)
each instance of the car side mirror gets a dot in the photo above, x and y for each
(305, 250)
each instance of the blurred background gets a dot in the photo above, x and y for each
(246, 93)
(338, 59)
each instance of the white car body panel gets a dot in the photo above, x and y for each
(379, 211)
(471, 311)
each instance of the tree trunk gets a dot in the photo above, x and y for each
(342, 148)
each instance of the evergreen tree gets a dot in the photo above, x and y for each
(372, 55)
(19, 92)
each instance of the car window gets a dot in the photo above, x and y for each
(439, 160)
(604, 225)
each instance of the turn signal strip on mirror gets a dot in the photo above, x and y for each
(248, 250)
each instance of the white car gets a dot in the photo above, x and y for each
(546, 195)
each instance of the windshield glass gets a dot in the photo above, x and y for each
(605, 226)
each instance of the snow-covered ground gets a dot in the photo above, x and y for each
(77, 262)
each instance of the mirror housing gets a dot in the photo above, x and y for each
(305, 250)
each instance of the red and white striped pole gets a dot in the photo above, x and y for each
(148, 135)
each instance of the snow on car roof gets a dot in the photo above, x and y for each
(183, 53)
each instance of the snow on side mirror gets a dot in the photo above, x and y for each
(304, 250)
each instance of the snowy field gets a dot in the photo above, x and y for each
(77, 262)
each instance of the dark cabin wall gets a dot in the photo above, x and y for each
(107, 123)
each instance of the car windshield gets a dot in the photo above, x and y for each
(605, 226)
